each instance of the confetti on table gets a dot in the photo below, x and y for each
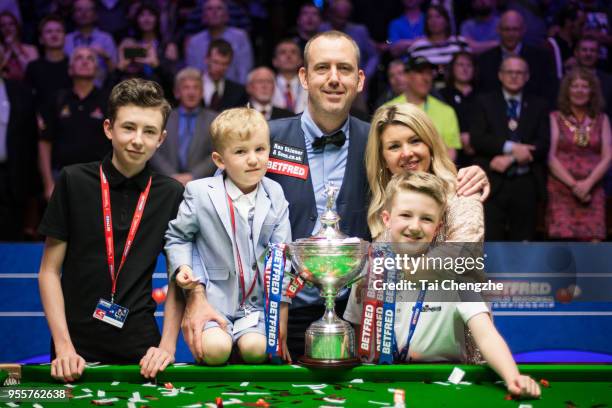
(131, 405)
(37, 406)
(101, 394)
(180, 365)
(465, 383)
(318, 392)
(69, 385)
(257, 393)
(244, 384)
(115, 383)
(192, 406)
(525, 406)
(295, 366)
(137, 398)
(311, 386)
(456, 376)
(106, 401)
(357, 381)
(12, 405)
(380, 403)
(83, 396)
(441, 383)
(149, 385)
(87, 390)
(237, 394)
(334, 400)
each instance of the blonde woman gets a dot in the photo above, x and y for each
(403, 138)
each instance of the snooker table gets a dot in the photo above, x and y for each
(291, 385)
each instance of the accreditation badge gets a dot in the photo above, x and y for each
(111, 313)
(512, 124)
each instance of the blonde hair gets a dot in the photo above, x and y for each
(379, 175)
(236, 124)
(418, 182)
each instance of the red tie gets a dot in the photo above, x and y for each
(288, 98)
(215, 101)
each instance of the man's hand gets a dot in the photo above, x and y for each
(49, 187)
(67, 366)
(197, 313)
(501, 163)
(465, 143)
(523, 386)
(471, 180)
(156, 359)
(522, 153)
(184, 278)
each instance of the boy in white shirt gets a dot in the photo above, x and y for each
(230, 219)
(414, 209)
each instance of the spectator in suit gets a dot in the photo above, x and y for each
(19, 180)
(260, 87)
(186, 154)
(510, 135)
(339, 13)
(87, 34)
(49, 73)
(221, 92)
(215, 16)
(288, 92)
(308, 22)
(17, 55)
(542, 78)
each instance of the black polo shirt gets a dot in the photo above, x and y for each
(74, 215)
(46, 78)
(74, 127)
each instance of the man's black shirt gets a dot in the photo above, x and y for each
(74, 126)
(46, 78)
(74, 215)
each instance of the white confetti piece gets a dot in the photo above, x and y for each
(105, 401)
(456, 376)
(131, 405)
(149, 384)
(100, 366)
(69, 385)
(357, 381)
(182, 365)
(237, 394)
(441, 383)
(170, 393)
(83, 396)
(37, 406)
(12, 405)
(257, 393)
(115, 383)
(311, 386)
(318, 392)
(386, 404)
(525, 406)
(137, 398)
(195, 406)
(334, 400)
(391, 390)
(87, 390)
(244, 384)
(465, 383)
(295, 366)
(101, 394)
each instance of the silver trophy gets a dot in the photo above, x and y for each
(329, 260)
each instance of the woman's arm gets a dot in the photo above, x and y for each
(606, 155)
(554, 164)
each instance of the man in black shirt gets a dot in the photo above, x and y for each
(85, 298)
(49, 73)
(71, 124)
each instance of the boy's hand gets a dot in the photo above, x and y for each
(156, 359)
(184, 278)
(67, 366)
(523, 386)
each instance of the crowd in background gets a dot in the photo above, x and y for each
(538, 124)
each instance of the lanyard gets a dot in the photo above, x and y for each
(108, 228)
(238, 259)
(414, 319)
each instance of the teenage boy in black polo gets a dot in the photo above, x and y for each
(97, 309)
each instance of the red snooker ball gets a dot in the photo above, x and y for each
(563, 295)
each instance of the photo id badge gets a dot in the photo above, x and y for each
(247, 321)
(111, 313)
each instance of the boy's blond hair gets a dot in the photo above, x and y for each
(418, 182)
(236, 124)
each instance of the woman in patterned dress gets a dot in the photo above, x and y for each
(578, 159)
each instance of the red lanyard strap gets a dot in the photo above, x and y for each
(238, 259)
(108, 228)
